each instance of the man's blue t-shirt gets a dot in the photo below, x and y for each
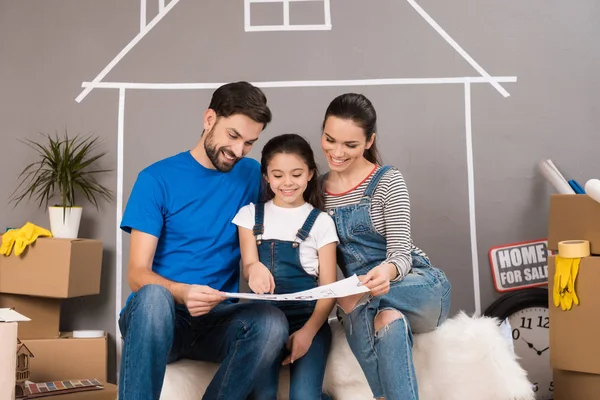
(190, 209)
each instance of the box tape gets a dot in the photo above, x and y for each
(574, 248)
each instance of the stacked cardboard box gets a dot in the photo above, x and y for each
(575, 333)
(34, 284)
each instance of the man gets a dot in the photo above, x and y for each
(184, 253)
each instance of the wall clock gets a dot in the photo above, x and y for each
(527, 312)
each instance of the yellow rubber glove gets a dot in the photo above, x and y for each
(567, 298)
(8, 240)
(27, 235)
(564, 293)
(561, 279)
(573, 278)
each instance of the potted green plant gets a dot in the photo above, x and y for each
(66, 167)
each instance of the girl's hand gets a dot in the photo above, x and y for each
(298, 345)
(260, 279)
(378, 279)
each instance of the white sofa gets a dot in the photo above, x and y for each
(465, 359)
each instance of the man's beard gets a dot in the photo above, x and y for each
(213, 154)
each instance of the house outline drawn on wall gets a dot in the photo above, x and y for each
(483, 77)
(286, 25)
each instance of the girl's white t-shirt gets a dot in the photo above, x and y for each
(283, 223)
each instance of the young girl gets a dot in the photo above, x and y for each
(371, 209)
(288, 245)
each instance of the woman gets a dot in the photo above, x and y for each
(371, 209)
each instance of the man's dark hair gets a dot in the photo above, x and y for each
(241, 98)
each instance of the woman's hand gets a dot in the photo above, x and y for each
(298, 345)
(260, 279)
(378, 279)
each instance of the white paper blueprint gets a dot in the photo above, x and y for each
(342, 288)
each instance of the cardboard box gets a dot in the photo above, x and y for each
(43, 312)
(51, 267)
(8, 351)
(575, 333)
(570, 385)
(68, 358)
(108, 393)
(8, 355)
(574, 217)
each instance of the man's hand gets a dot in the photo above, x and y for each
(378, 279)
(298, 345)
(199, 299)
(260, 279)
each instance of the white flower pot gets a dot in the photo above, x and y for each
(65, 224)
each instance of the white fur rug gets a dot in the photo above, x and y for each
(464, 359)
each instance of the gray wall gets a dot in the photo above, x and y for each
(47, 48)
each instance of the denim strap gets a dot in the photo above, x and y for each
(308, 224)
(259, 217)
(375, 180)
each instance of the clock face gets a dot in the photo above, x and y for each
(530, 333)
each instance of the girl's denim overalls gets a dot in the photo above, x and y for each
(282, 258)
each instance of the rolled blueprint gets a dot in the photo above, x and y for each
(592, 188)
(553, 175)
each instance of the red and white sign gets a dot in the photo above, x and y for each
(520, 265)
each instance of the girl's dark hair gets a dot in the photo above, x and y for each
(360, 110)
(291, 143)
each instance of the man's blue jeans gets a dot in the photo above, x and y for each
(306, 373)
(245, 339)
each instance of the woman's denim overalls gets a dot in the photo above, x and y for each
(423, 298)
(282, 258)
